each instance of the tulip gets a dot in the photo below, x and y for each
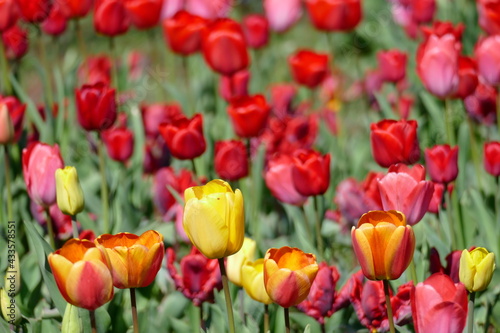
(56, 23)
(144, 14)
(209, 9)
(452, 264)
(256, 30)
(486, 53)
(134, 260)
(468, 80)
(300, 133)
(383, 244)
(281, 99)
(119, 143)
(6, 127)
(70, 199)
(34, 11)
(352, 200)
(155, 114)
(16, 112)
(476, 269)
(111, 17)
(236, 261)
(492, 158)
(214, 218)
(394, 142)
(489, 19)
(281, 15)
(75, 8)
(96, 106)
(482, 104)
(235, 85)
(61, 222)
(349, 291)
(288, 275)
(439, 305)
(308, 68)
(9, 13)
(95, 69)
(156, 155)
(392, 65)
(164, 180)
(82, 274)
(311, 172)
(442, 163)
(184, 137)
(183, 32)
(334, 15)
(15, 41)
(224, 47)
(231, 159)
(248, 115)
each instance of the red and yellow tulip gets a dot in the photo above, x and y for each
(252, 279)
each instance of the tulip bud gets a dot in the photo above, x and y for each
(69, 193)
(476, 268)
(71, 321)
(10, 311)
(6, 126)
(236, 261)
(13, 276)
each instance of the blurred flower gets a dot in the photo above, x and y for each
(34, 11)
(308, 68)
(467, 74)
(311, 172)
(476, 269)
(452, 264)
(144, 14)
(56, 23)
(439, 305)
(82, 274)
(15, 41)
(70, 199)
(281, 15)
(252, 279)
(288, 275)
(16, 111)
(119, 142)
(183, 32)
(87, 234)
(492, 158)
(209, 9)
(256, 30)
(349, 291)
(402, 106)
(60, 222)
(489, 19)
(442, 163)
(166, 178)
(482, 104)
(171, 7)
(236, 261)
(392, 65)
(153, 115)
(281, 99)
(488, 59)
(224, 47)
(300, 132)
(199, 276)
(134, 260)
(437, 197)
(95, 106)
(412, 13)
(6, 127)
(235, 85)
(9, 13)
(156, 155)
(248, 115)
(9, 308)
(95, 69)
(75, 8)
(334, 15)
(394, 142)
(184, 137)
(111, 17)
(231, 159)
(214, 218)
(383, 244)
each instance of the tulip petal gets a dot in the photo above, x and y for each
(467, 270)
(446, 317)
(288, 288)
(399, 252)
(484, 272)
(363, 252)
(60, 267)
(236, 221)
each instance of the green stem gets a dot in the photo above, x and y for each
(307, 224)
(451, 221)
(242, 306)
(112, 49)
(470, 316)
(229, 305)
(474, 153)
(4, 67)
(75, 226)
(50, 228)
(266, 318)
(104, 188)
(323, 328)
(287, 320)
(7, 184)
(48, 81)
(413, 272)
(187, 85)
(389, 306)
(449, 122)
(134, 310)
(79, 36)
(92, 321)
(319, 218)
(202, 321)
(193, 167)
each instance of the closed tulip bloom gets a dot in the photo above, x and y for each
(224, 47)
(334, 15)
(9, 13)
(165, 178)
(492, 158)
(6, 127)
(481, 105)
(235, 85)
(8, 307)
(308, 68)
(183, 32)
(56, 23)
(468, 79)
(288, 275)
(119, 143)
(439, 305)
(392, 65)
(236, 261)
(75, 8)
(256, 30)
(95, 69)
(70, 199)
(452, 264)
(476, 269)
(248, 115)
(442, 163)
(209, 9)
(135, 260)
(252, 279)
(96, 106)
(394, 142)
(144, 14)
(281, 15)
(383, 244)
(489, 18)
(184, 137)
(311, 172)
(15, 41)
(82, 274)
(154, 115)
(111, 17)
(487, 54)
(231, 159)
(34, 11)
(214, 218)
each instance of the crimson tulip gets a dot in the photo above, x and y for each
(34, 11)
(75, 8)
(310, 172)
(56, 23)
(248, 115)
(15, 41)
(442, 163)
(235, 85)
(165, 180)
(209, 9)
(452, 264)
(309, 68)
(256, 30)
(335, 15)
(9, 13)
(487, 55)
(16, 111)
(281, 15)
(300, 132)
(111, 17)
(154, 115)
(489, 18)
(278, 178)
(392, 65)
(224, 47)
(492, 158)
(281, 99)
(156, 155)
(468, 79)
(144, 14)
(61, 222)
(482, 104)
(95, 69)
(96, 106)
(119, 143)
(184, 137)
(183, 32)
(231, 159)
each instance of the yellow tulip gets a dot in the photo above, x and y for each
(237, 260)
(70, 198)
(252, 279)
(214, 218)
(476, 268)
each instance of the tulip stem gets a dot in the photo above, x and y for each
(389, 307)
(7, 183)
(75, 226)
(104, 189)
(229, 305)
(114, 56)
(449, 122)
(193, 166)
(450, 219)
(50, 228)
(470, 315)
(79, 36)
(306, 222)
(323, 328)
(266, 318)
(413, 272)
(319, 239)
(473, 151)
(92, 321)
(287, 320)
(202, 321)
(4, 66)
(134, 310)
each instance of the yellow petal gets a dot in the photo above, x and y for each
(363, 252)
(467, 270)
(484, 272)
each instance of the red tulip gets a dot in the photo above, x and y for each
(75, 8)
(439, 305)
(235, 85)
(144, 14)
(442, 163)
(467, 74)
(56, 23)
(406, 190)
(224, 47)
(440, 29)
(281, 99)
(34, 11)
(184, 32)
(392, 65)
(492, 158)
(311, 172)
(40, 162)
(394, 142)
(334, 15)
(256, 30)
(452, 264)
(96, 106)
(248, 115)
(199, 276)
(61, 222)
(111, 17)
(166, 179)
(308, 68)
(300, 132)
(281, 15)
(119, 143)
(184, 137)
(15, 41)
(482, 104)
(16, 112)
(95, 69)
(209, 9)
(488, 58)
(231, 160)
(9, 13)
(156, 114)
(351, 287)
(489, 17)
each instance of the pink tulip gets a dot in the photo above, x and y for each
(209, 9)
(278, 177)
(170, 8)
(488, 59)
(282, 14)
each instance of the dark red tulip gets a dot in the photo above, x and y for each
(231, 160)
(61, 222)
(144, 14)
(166, 179)
(15, 41)
(248, 115)
(183, 32)
(119, 143)
(56, 23)
(392, 65)
(452, 264)
(311, 172)
(488, 58)
(300, 132)
(394, 142)
(75, 8)
(9, 13)
(442, 163)
(256, 30)
(492, 158)
(278, 178)
(95, 69)
(184, 137)
(489, 15)
(334, 15)
(96, 106)
(308, 68)
(16, 111)
(235, 85)
(224, 47)
(467, 77)
(156, 155)
(156, 114)
(111, 17)
(482, 104)
(281, 99)
(34, 11)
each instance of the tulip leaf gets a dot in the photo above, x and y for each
(486, 221)
(387, 111)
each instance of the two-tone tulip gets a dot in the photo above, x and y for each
(69, 193)
(236, 261)
(476, 269)
(252, 279)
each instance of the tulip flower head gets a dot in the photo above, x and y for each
(491, 158)
(476, 269)
(236, 261)
(68, 191)
(252, 279)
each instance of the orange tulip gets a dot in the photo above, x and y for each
(135, 260)
(288, 275)
(82, 274)
(383, 244)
